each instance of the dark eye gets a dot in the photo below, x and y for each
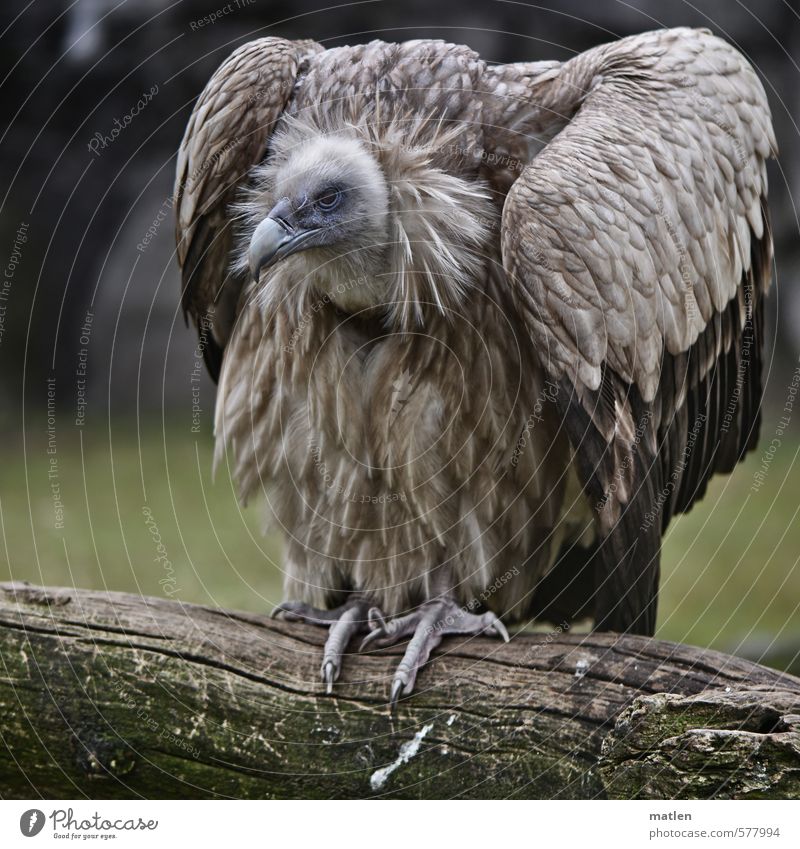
(329, 198)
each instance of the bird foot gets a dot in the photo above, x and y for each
(426, 626)
(343, 622)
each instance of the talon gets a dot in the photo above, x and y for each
(343, 622)
(299, 611)
(370, 638)
(378, 628)
(425, 625)
(397, 687)
(501, 629)
(329, 675)
(375, 619)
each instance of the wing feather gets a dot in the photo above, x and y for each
(227, 133)
(648, 307)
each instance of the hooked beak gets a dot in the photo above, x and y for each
(274, 239)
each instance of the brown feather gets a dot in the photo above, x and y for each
(528, 350)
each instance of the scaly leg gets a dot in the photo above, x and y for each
(343, 622)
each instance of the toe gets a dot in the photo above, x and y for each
(398, 685)
(349, 623)
(387, 632)
(374, 638)
(424, 641)
(376, 620)
(330, 672)
(299, 611)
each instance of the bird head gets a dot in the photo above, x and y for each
(329, 209)
(363, 223)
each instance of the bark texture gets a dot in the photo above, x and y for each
(109, 695)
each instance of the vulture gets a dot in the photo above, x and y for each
(479, 330)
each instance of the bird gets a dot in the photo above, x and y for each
(479, 330)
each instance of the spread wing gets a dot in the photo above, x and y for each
(227, 134)
(637, 242)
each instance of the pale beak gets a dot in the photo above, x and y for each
(274, 239)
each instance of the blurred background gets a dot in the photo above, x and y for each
(105, 478)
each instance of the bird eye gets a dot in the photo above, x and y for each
(329, 198)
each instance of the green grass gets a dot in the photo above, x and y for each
(729, 570)
(216, 552)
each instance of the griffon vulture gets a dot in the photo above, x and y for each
(479, 330)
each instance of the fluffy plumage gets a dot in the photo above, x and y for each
(505, 320)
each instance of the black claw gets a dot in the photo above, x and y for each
(397, 688)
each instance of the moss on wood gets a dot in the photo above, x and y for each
(111, 695)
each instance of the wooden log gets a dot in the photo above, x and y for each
(109, 695)
(732, 743)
